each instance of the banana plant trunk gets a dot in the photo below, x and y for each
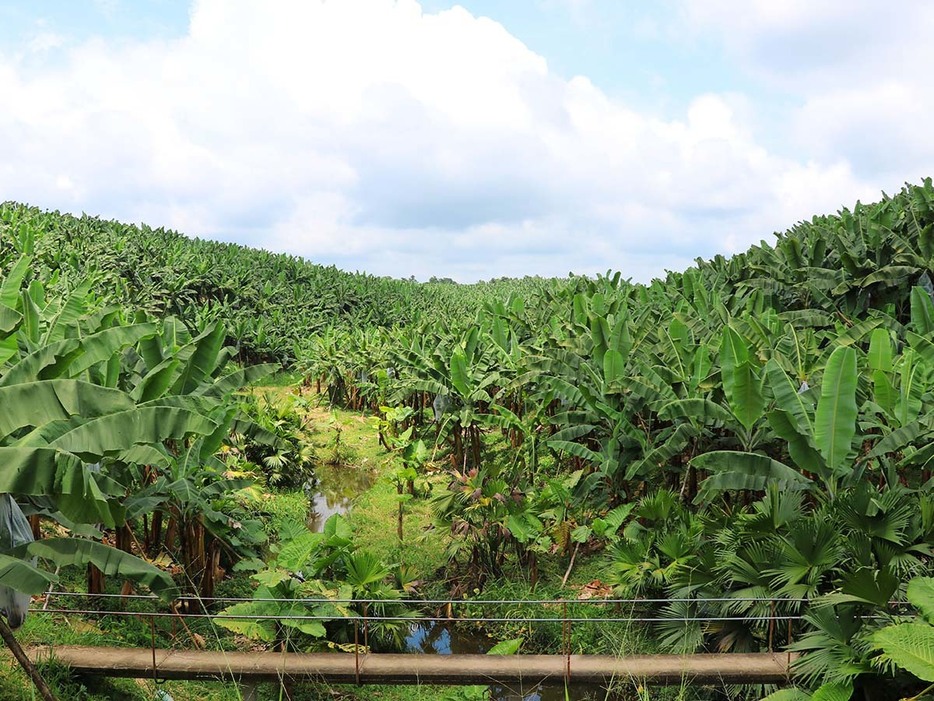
(96, 584)
(212, 568)
(193, 550)
(125, 538)
(457, 455)
(125, 543)
(474, 432)
(171, 531)
(154, 534)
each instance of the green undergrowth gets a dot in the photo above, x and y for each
(350, 465)
(374, 516)
(552, 636)
(375, 520)
(323, 692)
(283, 507)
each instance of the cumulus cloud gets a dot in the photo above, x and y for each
(853, 72)
(376, 136)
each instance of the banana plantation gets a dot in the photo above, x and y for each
(746, 446)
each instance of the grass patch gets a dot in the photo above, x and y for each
(43, 628)
(375, 505)
(284, 378)
(374, 519)
(279, 508)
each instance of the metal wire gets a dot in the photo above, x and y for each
(419, 619)
(561, 615)
(437, 602)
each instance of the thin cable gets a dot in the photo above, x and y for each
(422, 602)
(420, 619)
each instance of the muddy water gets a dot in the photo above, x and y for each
(333, 491)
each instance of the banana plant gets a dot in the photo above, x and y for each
(69, 415)
(412, 454)
(821, 440)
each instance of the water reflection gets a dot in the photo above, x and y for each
(333, 491)
(441, 638)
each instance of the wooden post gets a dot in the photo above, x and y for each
(771, 624)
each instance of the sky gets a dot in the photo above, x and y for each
(469, 140)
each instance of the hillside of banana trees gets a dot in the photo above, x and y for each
(754, 429)
(749, 438)
(269, 302)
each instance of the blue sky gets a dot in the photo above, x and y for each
(80, 20)
(616, 44)
(468, 140)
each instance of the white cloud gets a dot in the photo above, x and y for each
(883, 127)
(44, 41)
(373, 135)
(802, 44)
(854, 72)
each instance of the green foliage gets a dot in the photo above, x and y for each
(110, 417)
(835, 419)
(72, 551)
(910, 645)
(769, 415)
(273, 438)
(506, 647)
(921, 595)
(325, 567)
(835, 691)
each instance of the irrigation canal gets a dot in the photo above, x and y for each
(332, 492)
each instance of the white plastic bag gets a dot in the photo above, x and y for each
(14, 531)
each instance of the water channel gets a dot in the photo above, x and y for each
(333, 492)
